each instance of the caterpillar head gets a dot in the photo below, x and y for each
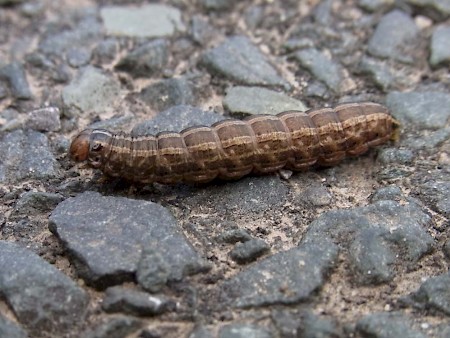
(90, 145)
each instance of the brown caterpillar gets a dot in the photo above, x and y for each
(231, 149)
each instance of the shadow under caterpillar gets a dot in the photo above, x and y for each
(231, 149)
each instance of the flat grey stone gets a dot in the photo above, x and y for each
(152, 20)
(91, 90)
(153, 270)
(379, 73)
(234, 236)
(249, 250)
(440, 46)
(395, 155)
(43, 299)
(146, 60)
(425, 110)
(377, 238)
(217, 5)
(395, 37)
(106, 236)
(374, 5)
(387, 324)
(244, 331)
(77, 57)
(36, 201)
(392, 193)
(71, 32)
(200, 331)
(431, 141)
(133, 302)
(168, 93)
(304, 324)
(325, 69)
(315, 195)
(434, 293)
(9, 329)
(248, 195)
(300, 270)
(257, 100)
(116, 327)
(26, 154)
(45, 119)
(238, 59)
(105, 51)
(176, 119)
(437, 193)
(14, 74)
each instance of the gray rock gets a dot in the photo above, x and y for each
(323, 12)
(257, 100)
(395, 155)
(200, 331)
(249, 250)
(248, 195)
(202, 31)
(26, 154)
(300, 270)
(176, 119)
(240, 60)
(45, 119)
(435, 9)
(234, 236)
(153, 271)
(434, 293)
(91, 225)
(91, 90)
(14, 74)
(440, 48)
(378, 237)
(148, 21)
(315, 195)
(168, 93)
(9, 329)
(304, 324)
(36, 201)
(77, 57)
(387, 324)
(446, 249)
(244, 331)
(437, 193)
(325, 69)
(217, 5)
(117, 327)
(379, 73)
(105, 51)
(133, 302)
(429, 142)
(253, 16)
(375, 5)
(395, 37)
(84, 30)
(146, 60)
(43, 299)
(3, 90)
(426, 110)
(392, 193)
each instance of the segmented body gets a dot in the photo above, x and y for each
(231, 149)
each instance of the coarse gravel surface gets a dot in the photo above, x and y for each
(361, 249)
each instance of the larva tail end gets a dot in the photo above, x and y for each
(396, 130)
(79, 149)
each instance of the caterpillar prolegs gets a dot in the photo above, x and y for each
(231, 149)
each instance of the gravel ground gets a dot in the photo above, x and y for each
(358, 250)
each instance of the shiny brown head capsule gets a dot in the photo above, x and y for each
(92, 145)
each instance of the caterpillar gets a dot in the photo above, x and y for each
(231, 149)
